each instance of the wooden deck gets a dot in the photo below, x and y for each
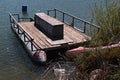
(71, 36)
(39, 34)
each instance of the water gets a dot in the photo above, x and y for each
(14, 61)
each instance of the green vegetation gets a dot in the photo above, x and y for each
(107, 16)
(102, 64)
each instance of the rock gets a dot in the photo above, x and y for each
(95, 73)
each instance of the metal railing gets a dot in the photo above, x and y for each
(18, 18)
(19, 30)
(73, 21)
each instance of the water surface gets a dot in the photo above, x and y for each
(14, 61)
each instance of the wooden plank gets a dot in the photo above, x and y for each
(62, 41)
(32, 31)
(49, 19)
(74, 34)
(42, 40)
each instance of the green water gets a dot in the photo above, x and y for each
(14, 61)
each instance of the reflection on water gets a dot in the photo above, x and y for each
(14, 61)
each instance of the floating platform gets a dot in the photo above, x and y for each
(38, 41)
(71, 37)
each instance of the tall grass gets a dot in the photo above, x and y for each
(107, 16)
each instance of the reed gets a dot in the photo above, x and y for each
(107, 16)
(105, 62)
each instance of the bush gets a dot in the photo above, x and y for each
(107, 16)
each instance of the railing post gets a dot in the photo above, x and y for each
(84, 27)
(18, 18)
(10, 19)
(13, 24)
(31, 44)
(18, 29)
(98, 29)
(63, 16)
(73, 22)
(55, 13)
(48, 12)
(24, 36)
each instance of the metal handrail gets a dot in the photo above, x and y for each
(20, 28)
(73, 18)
